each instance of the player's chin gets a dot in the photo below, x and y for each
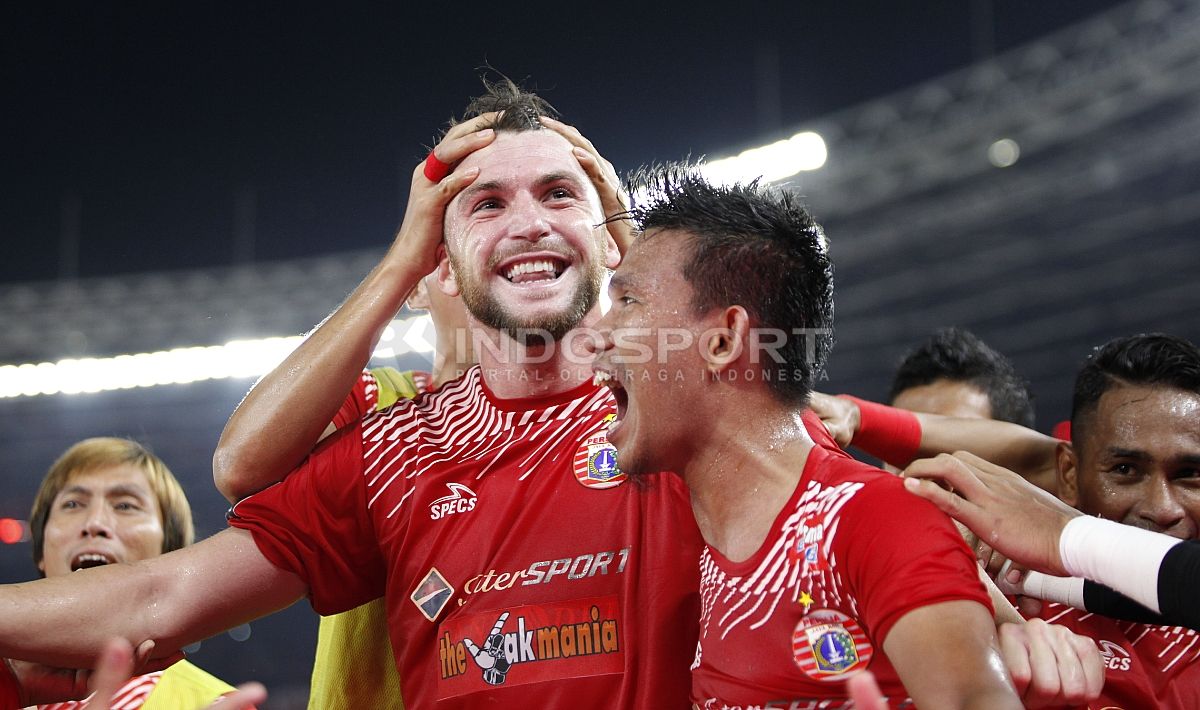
(633, 457)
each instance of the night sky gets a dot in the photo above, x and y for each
(151, 121)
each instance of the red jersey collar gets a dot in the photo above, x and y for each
(525, 404)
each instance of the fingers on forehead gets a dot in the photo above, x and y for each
(569, 132)
(483, 120)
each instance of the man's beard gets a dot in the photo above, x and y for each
(528, 331)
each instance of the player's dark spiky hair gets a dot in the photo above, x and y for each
(1146, 359)
(755, 246)
(959, 355)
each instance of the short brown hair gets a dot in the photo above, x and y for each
(102, 452)
(521, 109)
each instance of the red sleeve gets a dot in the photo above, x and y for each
(818, 431)
(915, 556)
(315, 524)
(10, 691)
(360, 402)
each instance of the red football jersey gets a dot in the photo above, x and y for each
(847, 557)
(130, 696)
(520, 566)
(1145, 666)
(364, 396)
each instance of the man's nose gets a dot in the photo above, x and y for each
(527, 219)
(1160, 508)
(98, 523)
(600, 336)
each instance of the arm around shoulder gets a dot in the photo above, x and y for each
(174, 599)
(287, 412)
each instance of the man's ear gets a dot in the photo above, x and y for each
(446, 279)
(723, 343)
(1067, 463)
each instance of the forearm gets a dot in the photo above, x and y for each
(286, 412)
(898, 437)
(1123, 557)
(1004, 611)
(1154, 571)
(1099, 599)
(1122, 572)
(173, 599)
(1014, 447)
(989, 700)
(10, 691)
(1178, 580)
(64, 621)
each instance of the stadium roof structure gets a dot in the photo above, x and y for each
(1089, 234)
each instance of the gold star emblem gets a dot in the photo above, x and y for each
(805, 600)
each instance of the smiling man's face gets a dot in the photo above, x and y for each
(1137, 460)
(523, 237)
(102, 516)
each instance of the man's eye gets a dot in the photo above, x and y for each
(487, 205)
(626, 300)
(69, 505)
(1124, 469)
(560, 193)
(126, 505)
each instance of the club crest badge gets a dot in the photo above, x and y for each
(596, 462)
(827, 645)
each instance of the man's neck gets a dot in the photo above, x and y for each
(446, 368)
(746, 472)
(515, 371)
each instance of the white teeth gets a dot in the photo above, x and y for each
(529, 267)
(90, 560)
(599, 378)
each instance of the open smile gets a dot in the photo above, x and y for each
(533, 269)
(86, 560)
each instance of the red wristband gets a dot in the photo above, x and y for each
(10, 690)
(893, 435)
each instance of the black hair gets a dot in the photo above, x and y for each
(754, 246)
(959, 355)
(1147, 359)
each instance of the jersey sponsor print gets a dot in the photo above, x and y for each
(460, 499)
(529, 644)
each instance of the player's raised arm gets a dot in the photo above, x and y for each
(898, 436)
(286, 412)
(174, 599)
